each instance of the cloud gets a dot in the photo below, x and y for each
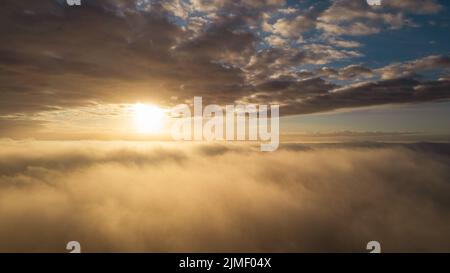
(118, 52)
(354, 29)
(413, 68)
(354, 70)
(347, 17)
(357, 18)
(272, 62)
(276, 41)
(395, 91)
(125, 196)
(74, 56)
(294, 27)
(344, 43)
(416, 6)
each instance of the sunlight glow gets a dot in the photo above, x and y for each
(148, 119)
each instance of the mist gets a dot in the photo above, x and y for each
(192, 197)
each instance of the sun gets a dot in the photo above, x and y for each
(148, 119)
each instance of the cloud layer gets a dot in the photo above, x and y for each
(126, 196)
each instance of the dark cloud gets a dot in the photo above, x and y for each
(395, 91)
(304, 198)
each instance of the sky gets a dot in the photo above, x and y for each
(333, 66)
